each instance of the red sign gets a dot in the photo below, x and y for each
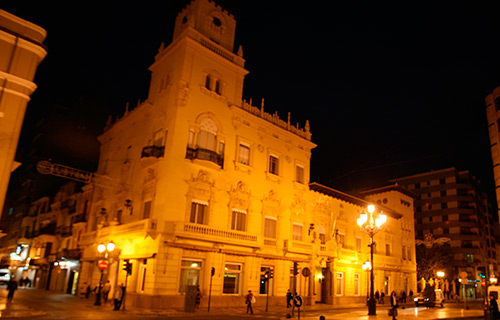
(103, 265)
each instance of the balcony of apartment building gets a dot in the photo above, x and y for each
(69, 254)
(195, 231)
(193, 153)
(63, 231)
(151, 155)
(48, 229)
(141, 228)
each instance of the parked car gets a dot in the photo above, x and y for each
(421, 300)
(4, 276)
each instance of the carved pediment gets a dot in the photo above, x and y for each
(239, 196)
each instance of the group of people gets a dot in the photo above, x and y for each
(105, 290)
(401, 297)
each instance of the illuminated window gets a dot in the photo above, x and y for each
(238, 220)
(190, 274)
(232, 278)
(198, 213)
(339, 284)
(273, 165)
(297, 232)
(244, 154)
(299, 174)
(357, 284)
(270, 227)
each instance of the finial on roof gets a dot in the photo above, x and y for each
(240, 51)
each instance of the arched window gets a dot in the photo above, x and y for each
(207, 138)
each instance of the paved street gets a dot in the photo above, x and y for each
(41, 304)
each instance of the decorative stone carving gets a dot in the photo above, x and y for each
(182, 93)
(239, 196)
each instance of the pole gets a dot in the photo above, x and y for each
(267, 289)
(367, 287)
(125, 291)
(98, 295)
(372, 304)
(295, 267)
(465, 300)
(210, 289)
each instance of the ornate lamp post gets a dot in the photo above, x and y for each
(371, 223)
(440, 275)
(103, 264)
(367, 266)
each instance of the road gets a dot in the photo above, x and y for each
(41, 304)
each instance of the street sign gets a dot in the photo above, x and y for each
(306, 272)
(103, 265)
(297, 301)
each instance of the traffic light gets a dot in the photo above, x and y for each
(271, 273)
(266, 276)
(127, 266)
(481, 272)
(295, 268)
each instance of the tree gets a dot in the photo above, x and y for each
(433, 259)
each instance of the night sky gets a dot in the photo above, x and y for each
(389, 89)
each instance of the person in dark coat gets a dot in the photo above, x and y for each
(289, 298)
(377, 296)
(118, 296)
(11, 287)
(394, 304)
(495, 314)
(248, 301)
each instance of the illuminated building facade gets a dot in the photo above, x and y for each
(452, 208)
(21, 51)
(196, 186)
(492, 114)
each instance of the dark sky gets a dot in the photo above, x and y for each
(390, 88)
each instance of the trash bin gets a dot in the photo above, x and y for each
(190, 302)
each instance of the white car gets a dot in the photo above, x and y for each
(4, 276)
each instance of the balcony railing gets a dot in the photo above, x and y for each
(78, 218)
(64, 231)
(209, 233)
(205, 154)
(153, 151)
(48, 229)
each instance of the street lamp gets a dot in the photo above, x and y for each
(440, 275)
(104, 250)
(371, 223)
(367, 266)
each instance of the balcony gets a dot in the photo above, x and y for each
(78, 218)
(205, 154)
(153, 151)
(64, 231)
(208, 233)
(69, 254)
(49, 229)
(151, 154)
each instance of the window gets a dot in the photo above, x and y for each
(409, 254)
(404, 253)
(221, 147)
(198, 213)
(357, 284)
(238, 220)
(191, 138)
(207, 140)
(387, 249)
(297, 232)
(190, 274)
(158, 138)
(358, 244)
(341, 239)
(146, 212)
(263, 283)
(208, 81)
(273, 165)
(232, 275)
(469, 258)
(244, 154)
(322, 237)
(143, 267)
(270, 227)
(218, 87)
(339, 284)
(300, 174)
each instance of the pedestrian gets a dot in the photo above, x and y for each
(87, 291)
(289, 298)
(495, 314)
(394, 305)
(377, 296)
(249, 299)
(411, 296)
(11, 287)
(382, 296)
(198, 297)
(105, 291)
(403, 296)
(118, 297)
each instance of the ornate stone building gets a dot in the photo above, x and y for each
(197, 186)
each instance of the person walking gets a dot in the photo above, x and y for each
(289, 298)
(495, 314)
(377, 296)
(382, 296)
(11, 287)
(118, 296)
(105, 291)
(394, 305)
(248, 300)
(198, 297)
